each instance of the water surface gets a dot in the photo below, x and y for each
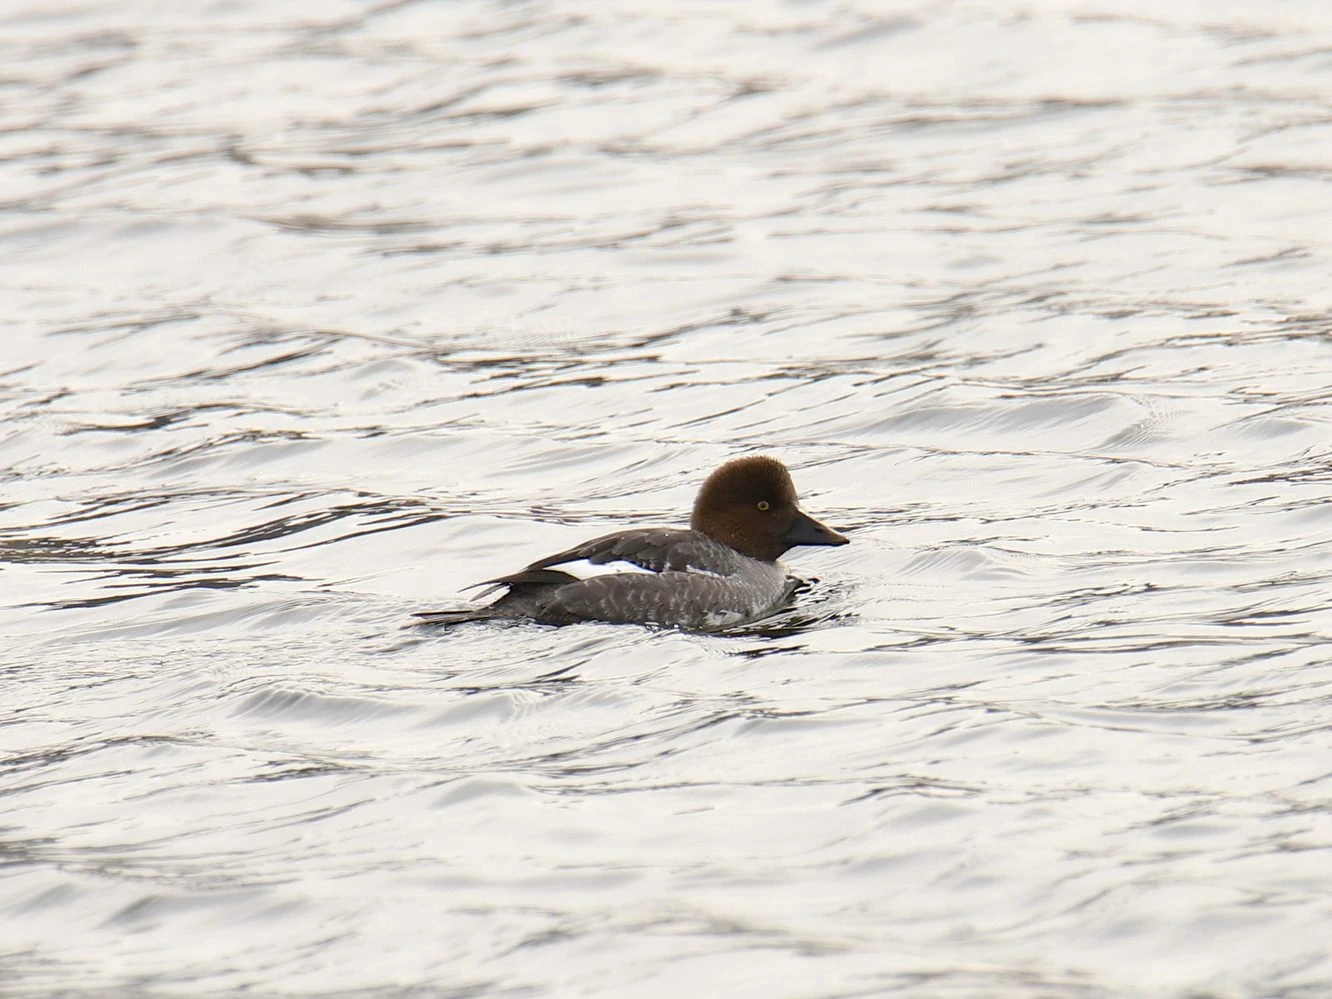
(314, 314)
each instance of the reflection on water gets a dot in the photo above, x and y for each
(315, 314)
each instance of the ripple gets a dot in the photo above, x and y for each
(315, 319)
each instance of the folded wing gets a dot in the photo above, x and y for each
(656, 549)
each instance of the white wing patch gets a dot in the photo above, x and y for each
(584, 569)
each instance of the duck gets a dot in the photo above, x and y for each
(720, 572)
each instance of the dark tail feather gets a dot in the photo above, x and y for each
(526, 594)
(446, 617)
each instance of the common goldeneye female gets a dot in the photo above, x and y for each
(721, 572)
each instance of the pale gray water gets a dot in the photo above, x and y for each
(315, 313)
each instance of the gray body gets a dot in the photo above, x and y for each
(693, 581)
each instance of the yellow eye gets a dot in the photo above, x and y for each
(763, 505)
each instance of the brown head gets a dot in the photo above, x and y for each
(750, 504)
